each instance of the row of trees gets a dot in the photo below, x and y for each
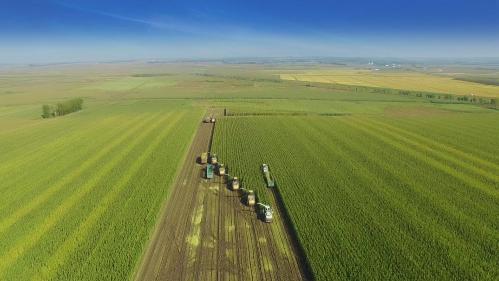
(62, 108)
(470, 99)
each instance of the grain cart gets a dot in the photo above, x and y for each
(213, 159)
(209, 171)
(204, 158)
(249, 197)
(266, 173)
(221, 170)
(265, 212)
(235, 183)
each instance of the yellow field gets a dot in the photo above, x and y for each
(396, 80)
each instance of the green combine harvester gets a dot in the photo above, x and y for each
(266, 173)
(209, 171)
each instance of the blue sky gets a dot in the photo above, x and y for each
(89, 30)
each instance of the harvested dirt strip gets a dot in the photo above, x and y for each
(164, 259)
(206, 233)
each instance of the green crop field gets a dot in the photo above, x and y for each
(80, 193)
(378, 185)
(381, 197)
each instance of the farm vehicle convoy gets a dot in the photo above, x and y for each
(215, 227)
(249, 197)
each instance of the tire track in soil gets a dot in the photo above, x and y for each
(206, 233)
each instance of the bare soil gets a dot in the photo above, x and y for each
(206, 233)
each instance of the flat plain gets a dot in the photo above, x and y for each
(370, 185)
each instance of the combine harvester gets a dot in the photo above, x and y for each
(221, 170)
(213, 158)
(209, 171)
(249, 197)
(265, 212)
(266, 173)
(235, 183)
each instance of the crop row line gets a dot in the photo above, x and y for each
(433, 161)
(84, 228)
(19, 248)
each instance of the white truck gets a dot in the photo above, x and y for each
(265, 212)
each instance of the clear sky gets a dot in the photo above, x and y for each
(91, 30)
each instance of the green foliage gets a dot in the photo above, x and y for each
(69, 106)
(379, 198)
(62, 108)
(48, 111)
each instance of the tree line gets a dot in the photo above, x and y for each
(489, 102)
(62, 108)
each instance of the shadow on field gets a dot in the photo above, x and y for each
(305, 267)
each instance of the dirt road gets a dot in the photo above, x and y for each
(206, 233)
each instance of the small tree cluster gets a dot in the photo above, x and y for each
(62, 108)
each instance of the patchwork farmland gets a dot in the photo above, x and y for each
(369, 185)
